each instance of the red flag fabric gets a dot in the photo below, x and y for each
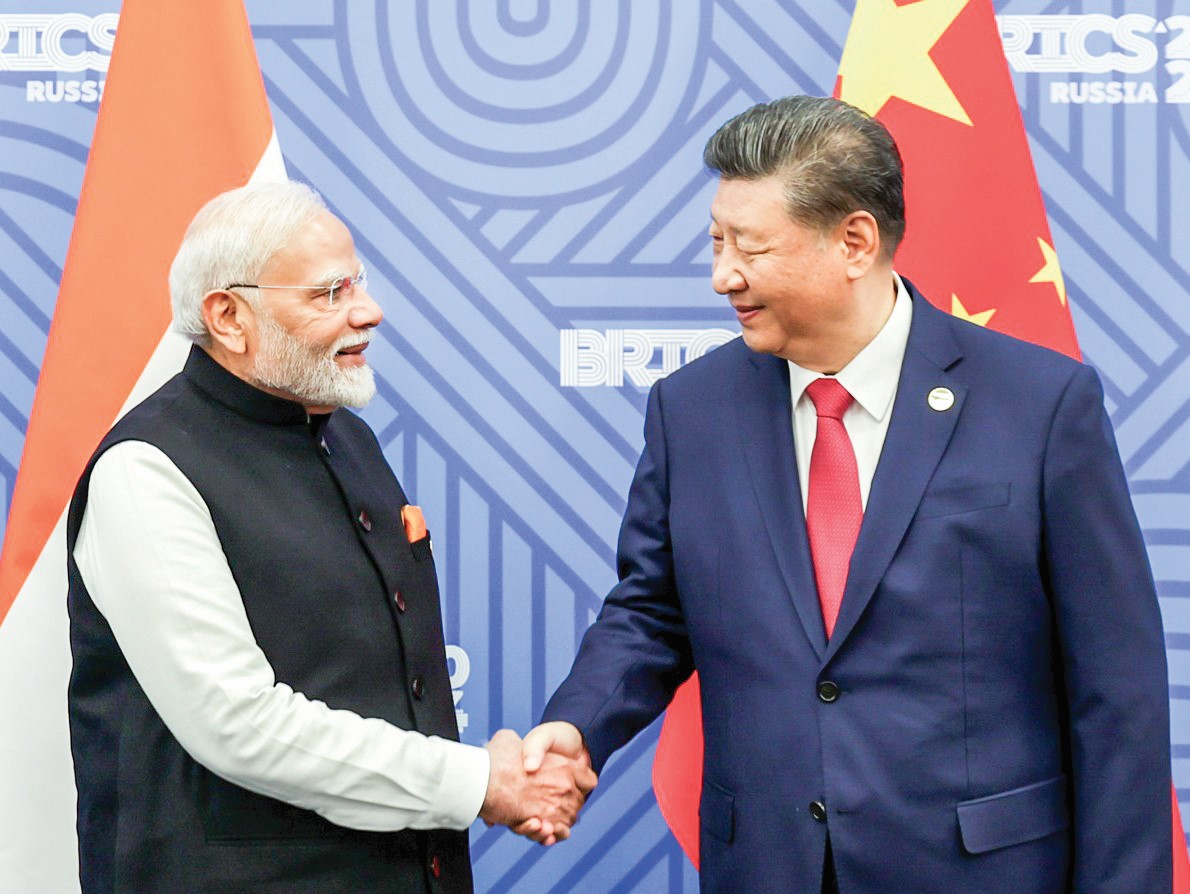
(978, 242)
(1181, 860)
(183, 118)
(677, 766)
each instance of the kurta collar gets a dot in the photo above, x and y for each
(236, 394)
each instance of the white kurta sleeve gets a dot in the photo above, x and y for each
(152, 562)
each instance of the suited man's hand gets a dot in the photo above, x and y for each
(544, 748)
(557, 737)
(543, 804)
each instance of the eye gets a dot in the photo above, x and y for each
(331, 293)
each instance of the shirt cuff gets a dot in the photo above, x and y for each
(464, 786)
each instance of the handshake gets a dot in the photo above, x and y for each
(538, 784)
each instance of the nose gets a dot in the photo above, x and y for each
(365, 312)
(725, 273)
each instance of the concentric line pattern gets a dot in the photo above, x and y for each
(40, 177)
(520, 167)
(476, 278)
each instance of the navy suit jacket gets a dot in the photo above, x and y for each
(1002, 723)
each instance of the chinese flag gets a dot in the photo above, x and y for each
(978, 243)
(183, 118)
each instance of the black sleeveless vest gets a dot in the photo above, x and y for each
(309, 518)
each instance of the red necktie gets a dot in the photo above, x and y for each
(834, 510)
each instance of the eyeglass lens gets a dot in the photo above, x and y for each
(344, 287)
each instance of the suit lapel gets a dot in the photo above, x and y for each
(765, 416)
(916, 440)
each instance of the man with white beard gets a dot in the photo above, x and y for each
(260, 698)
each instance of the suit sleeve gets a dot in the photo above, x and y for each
(1113, 653)
(636, 653)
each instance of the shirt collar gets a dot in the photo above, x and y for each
(871, 376)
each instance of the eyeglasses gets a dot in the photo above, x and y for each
(341, 288)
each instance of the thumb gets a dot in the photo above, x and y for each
(534, 747)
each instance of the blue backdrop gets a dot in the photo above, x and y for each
(524, 181)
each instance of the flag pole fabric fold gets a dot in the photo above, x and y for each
(183, 118)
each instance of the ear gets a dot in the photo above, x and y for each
(859, 236)
(225, 314)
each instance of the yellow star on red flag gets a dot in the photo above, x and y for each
(1051, 271)
(979, 319)
(888, 54)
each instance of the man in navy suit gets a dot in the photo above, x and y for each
(900, 552)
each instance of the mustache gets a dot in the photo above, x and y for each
(351, 341)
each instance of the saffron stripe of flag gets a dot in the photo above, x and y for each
(977, 243)
(183, 118)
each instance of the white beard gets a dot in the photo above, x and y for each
(308, 373)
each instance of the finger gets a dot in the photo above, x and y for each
(530, 828)
(565, 815)
(545, 835)
(538, 838)
(586, 780)
(534, 828)
(561, 832)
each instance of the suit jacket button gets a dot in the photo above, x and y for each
(828, 691)
(419, 687)
(818, 811)
(365, 520)
(399, 600)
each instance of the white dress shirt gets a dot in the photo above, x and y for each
(152, 562)
(871, 378)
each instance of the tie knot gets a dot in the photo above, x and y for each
(830, 398)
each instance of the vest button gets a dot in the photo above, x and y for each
(419, 687)
(435, 866)
(828, 691)
(818, 811)
(365, 520)
(400, 600)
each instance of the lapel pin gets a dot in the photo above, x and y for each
(940, 399)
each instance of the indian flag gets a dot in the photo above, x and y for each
(183, 118)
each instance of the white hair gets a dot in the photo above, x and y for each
(231, 240)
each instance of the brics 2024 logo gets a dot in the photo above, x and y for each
(1132, 44)
(66, 42)
(458, 664)
(590, 358)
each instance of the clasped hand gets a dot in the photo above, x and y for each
(537, 785)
